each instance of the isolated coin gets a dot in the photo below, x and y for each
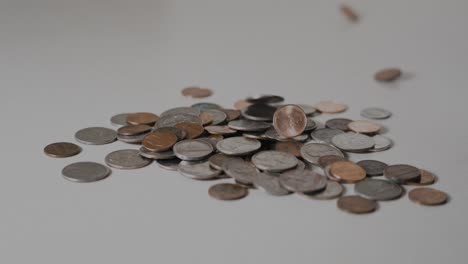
(327, 160)
(198, 170)
(364, 127)
(192, 130)
(381, 143)
(305, 182)
(308, 109)
(119, 120)
(290, 121)
(353, 142)
(387, 75)
(62, 150)
(238, 146)
(332, 190)
(217, 160)
(227, 191)
(132, 130)
(380, 190)
(242, 171)
(349, 13)
(291, 147)
(427, 178)
(325, 134)
(85, 172)
(249, 125)
(173, 120)
(142, 118)
(338, 123)
(347, 171)
(156, 155)
(218, 116)
(274, 161)
(375, 113)
(356, 204)
(330, 107)
(220, 130)
(96, 136)
(192, 149)
(181, 111)
(373, 167)
(259, 112)
(169, 164)
(159, 141)
(270, 183)
(127, 159)
(428, 196)
(311, 152)
(402, 173)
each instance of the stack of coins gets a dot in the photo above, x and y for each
(268, 145)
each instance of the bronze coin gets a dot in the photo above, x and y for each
(131, 130)
(159, 141)
(202, 93)
(220, 130)
(387, 75)
(188, 91)
(62, 150)
(338, 123)
(291, 147)
(327, 160)
(347, 171)
(427, 178)
(206, 118)
(142, 118)
(227, 191)
(241, 104)
(290, 121)
(193, 130)
(364, 127)
(349, 13)
(330, 107)
(356, 204)
(402, 173)
(232, 114)
(428, 196)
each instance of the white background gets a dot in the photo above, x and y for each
(66, 65)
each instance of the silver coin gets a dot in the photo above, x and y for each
(311, 125)
(192, 149)
(375, 113)
(172, 120)
(132, 139)
(198, 170)
(270, 183)
(127, 159)
(119, 120)
(180, 133)
(238, 146)
(156, 155)
(329, 175)
(332, 190)
(301, 166)
(181, 110)
(274, 161)
(242, 171)
(259, 112)
(325, 134)
(312, 151)
(381, 143)
(85, 172)
(380, 190)
(211, 141)
(273, 134)
(249, 125)
(308, 109)
(255, 135)
(304, 182)
(96, 135)
(169, 164)
(217, 160)
(353, 142)
(218, 116)
(206, 106)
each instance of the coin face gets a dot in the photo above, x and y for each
(428, 196)
(338, 123)
(381, 143)
(238, 146)
(217, 160)
(306, 181)
(198, 170)
(373, 167)
(375, 113)
(96, 136)
(402, 173)
(274, 161)
(364, 127)
(356, 204)
(227, 191)
(332, 190)
(330, 107)
(242, 171)
(290, 121)
(291, 147)
(353, 142)
(347, 171)
(270, 183)
(192, 130)
(127, 159)
(62, 150)
(387, 75)
(169, 164)
(259, 112)
(311, 125)
(327, 160)
(131, 130)
(119, 120)
(192, 149)
(427, 178)
(249, 125)
(325, 134)
(142, 118)
(220, 130)
(159, 141)
(313, 151)
(380, 190)
(181, 111)
(85, 172)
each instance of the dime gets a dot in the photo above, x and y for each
(192, 149)
(347, 171)
(217, 160)
(198, 170)
(181, 111)
(62, 150)
(220, 130)
(381, 143)
(274, 161)
(311, 152)
(308, 109)
(373, 167)
(291, 147)
(156, 155)
(332, 190)
(387, 75)
(265, 99)
(232, 114)
(119, 120)
(427, 178)
(338, 123)
(241, 104)
(270, 183)
(218, 116)
(142, 118)
(131, 130)
(428, 196)
(325, 134)
(375, 113)
(305, 182)
(259, 112)
(273, 134)
(289, 121)
(380, 190)
(330, 107)
(364, 127)
(353, 142)
(173, 120)
(238, 146)
(192, 130)
(327, 160)
(169, 164)
(180, 133)
(227, 191)
(206, 106)
(126, 159)
(85, 172)
(159, 141)
(349, 13)
(96, 136)
(402, 173)
(206, 118)
(249, 125)
(356, 204)
(242, 171)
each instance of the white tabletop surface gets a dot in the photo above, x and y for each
(66, 65)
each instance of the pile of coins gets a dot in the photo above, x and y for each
(260, 144)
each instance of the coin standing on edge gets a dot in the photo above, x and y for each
(290, 121)
(62, 150)
(227, 191)
(85, 172)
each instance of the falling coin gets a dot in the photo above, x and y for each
(330, 107)
(249, 125)
(428, 196)
(349, 13)
(62, 150)
(227, 191)
(290, 121)
(192, 130)
(387, 75)
(347, 171)
(85, 172)
(159, 141)
(202, 93)
(356, 204)
(169, 164)
(142, 118)
(241, 104)
(259, 112)
(232, 114)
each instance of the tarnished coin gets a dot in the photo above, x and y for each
(338, 123)
(332, 190)
(330, 107)
(119, 120)
(402, 173)
(181, 111)
(206, 106)
(311, 152)
(347, 171)
(325, 134)
(291, 147)
(169, 164)
(373, 167)
(206, 118)
(274, 161)
(353, 142)
(173, 120)
(273, 134)
(127, 159)
(192, 130)
(198, 170)
(259, 112)
(305, 182)
(227, 191)
(156, 155)
(265, 99)
(96, 136)
(85, 172)
(62, 150)
(380, 190)
(218, 116)
(375, 113)
(249, 125)
(238, 146)
(308, 109)
(270, 183)
(241, 104)
(180, 133)
(232, 114)
(324, 161)
(356, 204)
(242, 171)
(192, 149)
(217, 160)
(381, 143)
(289, 121)
(427, 178)
(159, 141)
(311, 125)
(387, 75)
(220, 130)
(132, 130)
(364, 127)
(142, 118)
(428, 196)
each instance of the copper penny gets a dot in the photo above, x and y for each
(241, 104)
(387, 75)
(142, 118)
(330, 107)
(62, 150)
(347, 171)
(159, 141)
(193, 130)
(428, 196)
(291, 147)
(206, 118)
(290, 121)
(220, 130)
(327, 160)
(356, 204)
(364, 127)
(202, 93)
(188, 91)
(349, 13)
(131, 130)
(427, 178)
(232, 114)
(227, 191)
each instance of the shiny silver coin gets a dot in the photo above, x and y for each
(308, 109)
(249, 125)
(270, 183)
(238, 146)
(217, 160)
(265, 99)
(132, 139)
(380, 190)
(96, 135)
(218, 116)
(119, 120)
(259, 112)
(273, 134)
(127, 159)
(304, 182)
(85, 172)
(192, 149)
(156, 155)
(311, 152)
(242, 171)
(381, 143)
(311, 125)
(181, 110)
(375, 113)
(274, 161)
(255, 135)
(169, 164)
(206, 106)
(180, 133)
(332, 190)
(198, 170)
(172, 120)
(325, 134)
(353, 142)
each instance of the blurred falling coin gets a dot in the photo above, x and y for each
(349, 13)
(290, 121)
(387, 75)
(241, 104)
(330, 107)
(428, 196)
(232, 114)
(227, 191)
(356, 204)
(364, 127)
(62, 150)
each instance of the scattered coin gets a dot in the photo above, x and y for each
(308, 109)
(373, 167)
(119, 120)
(387, 75)
(325, 134)
(156, 155)
(427, 178)
(131, 130)
(274, 161)
(364, 127)
(132, 139)
(332, 190)
(192, 149)
(381, 143)
(206, 106)
(347, 171)
(220, 130)
(265, 99)
(327, 160)
(159, 141)
(259, 112)
(330, 107)
(356, 204)
(305, 182)
(290, 121)
(227, 191)
(85, 172)
(181, 111)
(311, 152)
(198, 170)
(291, 147)
(96, 136)
(169, 164)
(232, 114)
(402, 173)
(311, 125)
(353, 142)
(127, 159)
(62, 150)
(338, 123)
(238, 146)
(349, 13)
(217, 160)
(242, 171)
(249, 125)
(218, 116)
(193, 130)
(380, 190)
(428, 196)
(375, 113)
(180, 133)
(142, 118)
(173, 120)
(331, 177)
(270, 183)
